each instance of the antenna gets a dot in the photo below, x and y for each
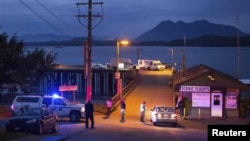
(184, 58)
(238, 43)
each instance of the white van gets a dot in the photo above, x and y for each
(61, 106)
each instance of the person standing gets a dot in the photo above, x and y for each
(109, 106)
(89, 114)
(142, 110)
(123, 107)
(180, 107)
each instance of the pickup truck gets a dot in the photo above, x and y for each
(156, 65)
(61, 106)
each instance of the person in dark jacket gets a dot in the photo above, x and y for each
(180, 107)
(123, 107)
(89, 114)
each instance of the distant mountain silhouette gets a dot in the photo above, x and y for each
(168, 31)
(43, 37)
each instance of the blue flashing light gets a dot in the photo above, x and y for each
(55, 95)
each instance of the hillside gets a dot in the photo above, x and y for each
(168, 31)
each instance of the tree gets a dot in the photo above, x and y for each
(20, 70)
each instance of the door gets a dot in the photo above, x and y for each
(217, 105)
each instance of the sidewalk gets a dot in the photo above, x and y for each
(202, 123)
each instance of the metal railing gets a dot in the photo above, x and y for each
(125, 91)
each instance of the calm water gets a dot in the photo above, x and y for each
(224, 59)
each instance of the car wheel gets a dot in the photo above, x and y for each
(55, 129)
(175, 124)
(154, 123)
(74, 117)
(40, 129)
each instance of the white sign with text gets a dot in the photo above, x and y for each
(200, 99)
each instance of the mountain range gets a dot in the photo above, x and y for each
(168, 31)
(165, 33)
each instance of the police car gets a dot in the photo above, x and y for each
(60, 105)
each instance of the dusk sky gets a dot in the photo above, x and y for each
(121, 18)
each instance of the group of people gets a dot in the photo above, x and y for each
(89, 109)
(123, 107)
(109, 105)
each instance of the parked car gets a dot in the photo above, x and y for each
(99, 66)
(60, 105)
(35, 120)
(163, 114)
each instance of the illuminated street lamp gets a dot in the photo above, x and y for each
(118, 44)
(117, 74)
(172, 56)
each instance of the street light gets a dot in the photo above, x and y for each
(118, 44)
(172, 56)
(117, 74)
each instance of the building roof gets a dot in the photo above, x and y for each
(203, 75)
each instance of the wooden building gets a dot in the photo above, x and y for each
(207, 92)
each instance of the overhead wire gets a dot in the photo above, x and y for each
(57, 17)
(58, 30)
(52, 13)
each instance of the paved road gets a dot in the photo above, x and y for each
(154, 90)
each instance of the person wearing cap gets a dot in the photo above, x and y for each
(142, 111)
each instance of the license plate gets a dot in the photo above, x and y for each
(166, 115)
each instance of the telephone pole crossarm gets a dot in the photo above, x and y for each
(79, 16)
(86, 3)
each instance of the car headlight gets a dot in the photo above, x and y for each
(82, 109)
(158, 115)
(31, 121)
(173, 115)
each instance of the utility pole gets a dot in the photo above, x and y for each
(88, 47)
(184, 59)
(138, 50)
(238, 43)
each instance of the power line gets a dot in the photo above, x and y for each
(58, 30)
(54, 14)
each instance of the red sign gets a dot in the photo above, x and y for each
(68, 88)
(117, 75)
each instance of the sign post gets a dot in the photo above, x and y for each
(68, 88)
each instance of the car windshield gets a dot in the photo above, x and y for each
(164, 109)
(29, 112)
